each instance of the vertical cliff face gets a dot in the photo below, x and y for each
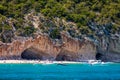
(14, 49)
(74, 49)
(42, 47)
(109, 48)
(46, 47)
(102, 44)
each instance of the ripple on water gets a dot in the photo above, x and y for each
(108, 71)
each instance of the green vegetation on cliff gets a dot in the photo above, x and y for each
(81, 12)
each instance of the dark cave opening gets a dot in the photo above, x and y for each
(31, 54)
(98, 56)
(62, 57)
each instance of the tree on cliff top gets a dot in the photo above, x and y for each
(80, 12)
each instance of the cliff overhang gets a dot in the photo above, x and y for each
(43, 47)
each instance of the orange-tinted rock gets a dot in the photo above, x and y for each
(46, 48)
(74, 49)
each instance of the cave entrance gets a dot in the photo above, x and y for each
(63, 57)
(31, 54)
(99, 56)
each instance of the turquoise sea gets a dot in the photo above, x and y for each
(108, 71)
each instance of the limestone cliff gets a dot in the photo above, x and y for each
(58, 39)
(42, 47)
(74, 49)
(109, 48)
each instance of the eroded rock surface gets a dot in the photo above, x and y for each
(42, 47)
(103, 44)
(109, 48)
(76, 50)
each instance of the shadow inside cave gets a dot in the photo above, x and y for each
(31, 54)
(99, 56)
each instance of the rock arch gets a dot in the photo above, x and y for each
(31, 53)
(42, 47)
(17, 49)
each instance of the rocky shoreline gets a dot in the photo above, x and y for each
(37, 62)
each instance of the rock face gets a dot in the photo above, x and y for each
(76, 50)
(109, 48)
(103, 45)
(74, 44)
(107, 41)
(42, 47)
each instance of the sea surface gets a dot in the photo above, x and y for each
(107, 71)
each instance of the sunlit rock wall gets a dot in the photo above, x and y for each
(46, 48)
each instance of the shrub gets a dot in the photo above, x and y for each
(28, 31)
(55, 34)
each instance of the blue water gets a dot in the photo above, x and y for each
(60, 72)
